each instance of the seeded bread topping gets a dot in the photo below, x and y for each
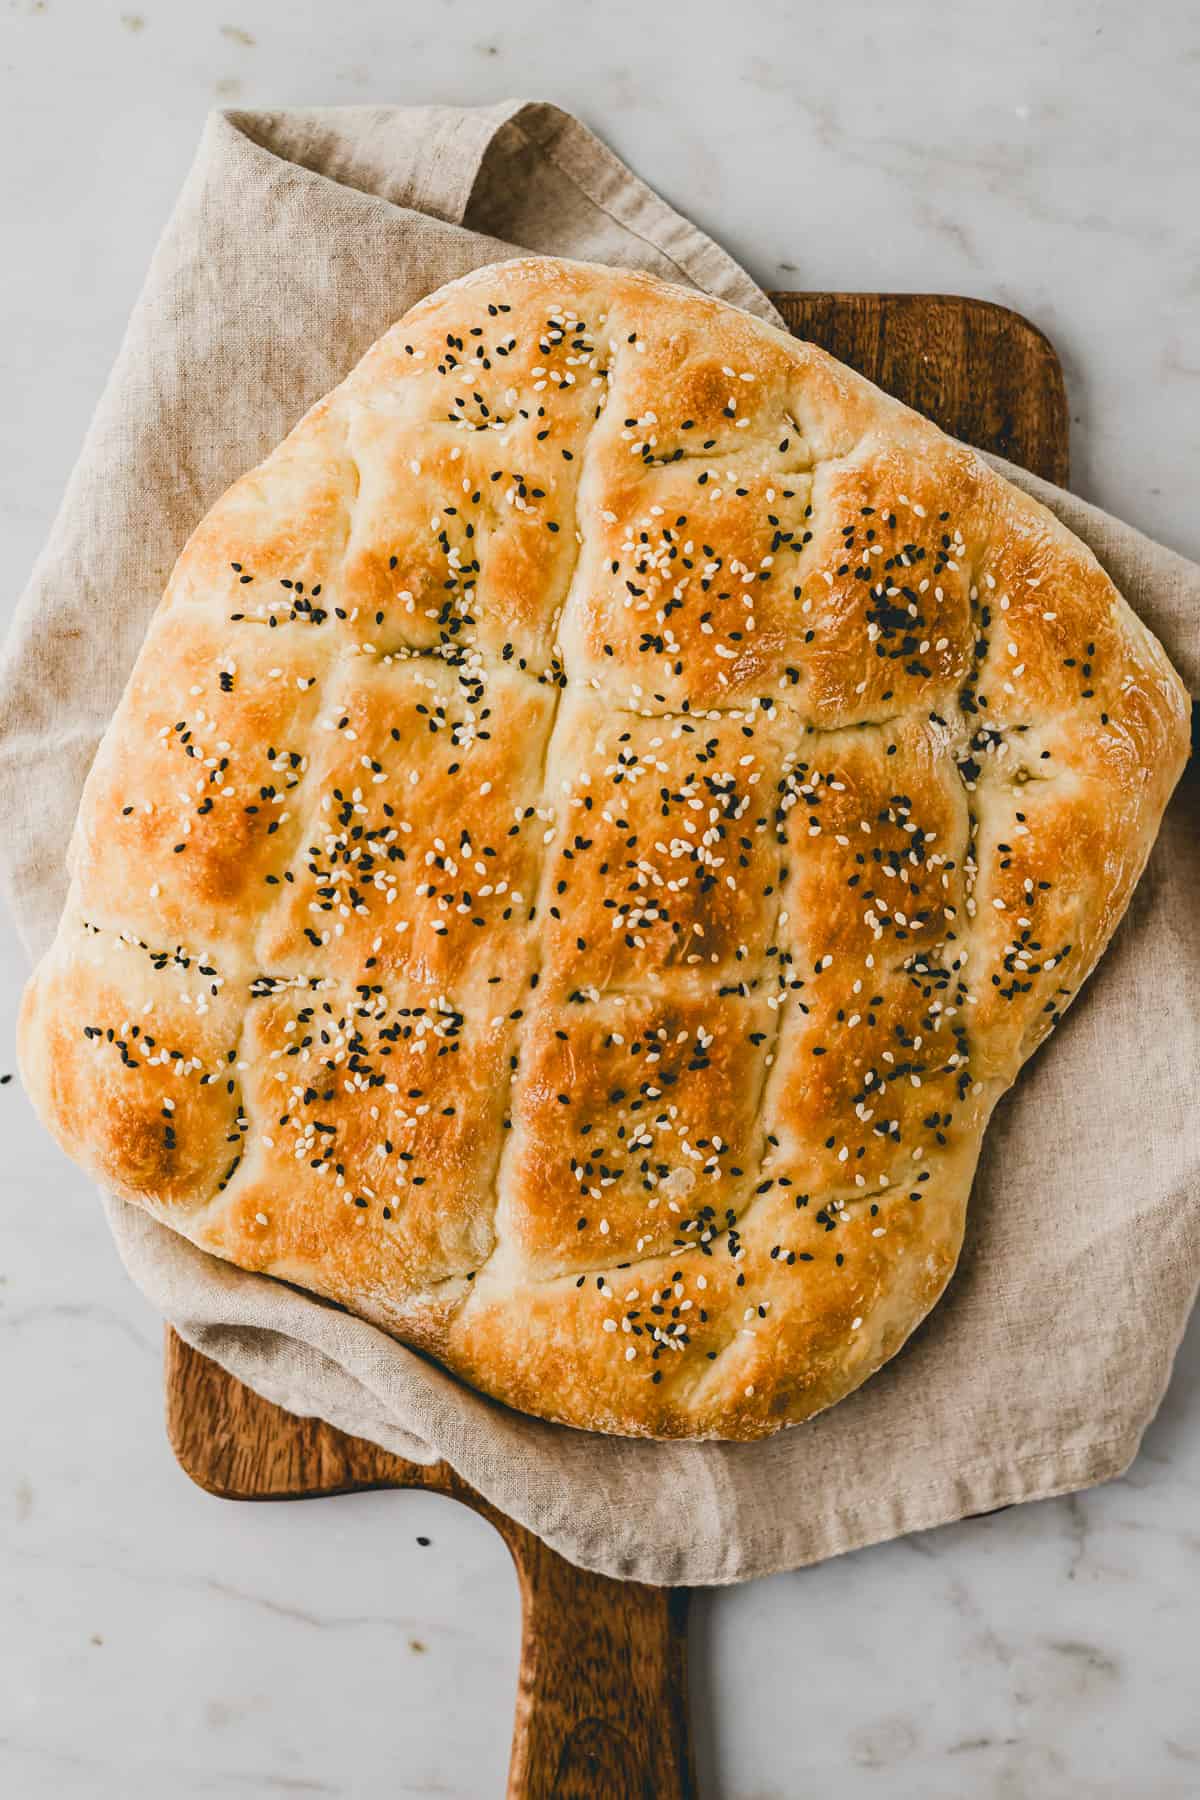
(598, 820)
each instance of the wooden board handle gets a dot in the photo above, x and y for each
(602, 1696)
(602, 1693)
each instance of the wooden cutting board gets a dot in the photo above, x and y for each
(602, 1697)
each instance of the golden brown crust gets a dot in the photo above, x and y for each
(131, 1053)
(599, 818)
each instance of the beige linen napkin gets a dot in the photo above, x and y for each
(298, 238)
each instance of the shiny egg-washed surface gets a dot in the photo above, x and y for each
(599, 818)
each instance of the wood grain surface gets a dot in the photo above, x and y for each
(982, 373)
(602, 1696)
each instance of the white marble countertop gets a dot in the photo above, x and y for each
(161, 1642)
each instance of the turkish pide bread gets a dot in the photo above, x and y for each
(598, 819)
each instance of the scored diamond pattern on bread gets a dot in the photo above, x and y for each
(599, 818)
